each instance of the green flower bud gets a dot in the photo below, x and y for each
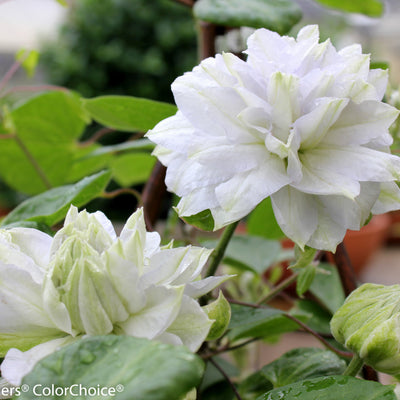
(219, 311)
(368, 324)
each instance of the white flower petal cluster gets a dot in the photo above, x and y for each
(298, 121)
(88, 281)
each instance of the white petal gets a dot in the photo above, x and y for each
(170, 338)
(243, 192)
(106, 224)
(379, 79)
(33, 243)
(210, 106)
(191, 325)
(312, 127)
(55, 309)
(198, 200)
(176, 266)
(283, 93)
(216, 165)
(325, 182)
(296, 214)
(389, 198)
(17, 364)
(162, 307)
(199, 288)
(125, 277)
(362, 123)
(11, 254)
(359, 163)
(267, 50)
(336, 214)
(21, 306)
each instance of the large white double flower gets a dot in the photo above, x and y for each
(88, 281)
(298, 121)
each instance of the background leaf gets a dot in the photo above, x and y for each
(147, 370)
(132, 169)
(39, 151)
(277, 15)
(29, 60)
(262, 222)
(260, 322)
(203, 220)
(332, 388)
(51, 207)
(305, 279)
(372, 8)
(126, 113)
(303, 363)
(327, 287)
(250, 252)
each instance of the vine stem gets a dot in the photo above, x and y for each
(319, 337)
(354, 366)
(279, 288)
(33, 161)
(298, 322)
(219, 251)
(224, 374)
(305, 259)
(118, 192)
(96, 136)
(9, 74)
(35, 88)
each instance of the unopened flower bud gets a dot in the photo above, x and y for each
(368, 323)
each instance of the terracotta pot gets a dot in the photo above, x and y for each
(362, 244)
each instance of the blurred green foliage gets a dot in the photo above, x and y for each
(134, 47)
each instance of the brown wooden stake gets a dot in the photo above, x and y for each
(345, 269)
(208, 33)
(153, 194)
(349, 282)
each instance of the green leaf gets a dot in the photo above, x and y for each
(277, 15)
(219, 311)
(250, 252)
(132, 169)
(303, 363)
(85, 163)
(259, 322)
(203, 220)
(305, 279)
(254, 386)
(40, 148)
(213, 376)
(327, 287)
(62, 2)
(28, 60)
(126, 113)
(372, 8)
(134, 368)
(51, 207)
(320, 318)
(332, 388)
(136, 145)
(262, 222)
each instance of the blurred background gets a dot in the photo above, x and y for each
(93, 46)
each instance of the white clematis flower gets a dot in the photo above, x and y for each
(88, 281)
(298, 121)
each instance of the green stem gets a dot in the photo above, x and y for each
(33, 161)
(354, 366)
(279, 288)
(219, 251)
(304, 259)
